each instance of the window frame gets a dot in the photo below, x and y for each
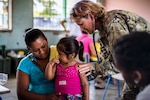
(9, 18)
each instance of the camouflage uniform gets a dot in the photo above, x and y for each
(117, 23)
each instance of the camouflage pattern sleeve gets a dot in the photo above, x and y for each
(120, 23)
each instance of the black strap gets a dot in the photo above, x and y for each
(32, 59)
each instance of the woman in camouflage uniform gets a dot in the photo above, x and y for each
(112, 25)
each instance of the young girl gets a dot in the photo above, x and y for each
(68, 81)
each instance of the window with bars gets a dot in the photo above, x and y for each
(5, 15)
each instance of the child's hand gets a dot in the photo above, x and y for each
(54, 61)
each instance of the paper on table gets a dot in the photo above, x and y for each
(118, 76)
(3, 78)
(4, 89)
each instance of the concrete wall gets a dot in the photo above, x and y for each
(141, 7)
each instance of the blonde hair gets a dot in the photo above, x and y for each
(82, 8)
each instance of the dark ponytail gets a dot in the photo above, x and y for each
(81, 48)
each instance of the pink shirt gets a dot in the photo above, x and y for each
(86, 40)
(67, 80)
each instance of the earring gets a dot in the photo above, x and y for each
(136, 81)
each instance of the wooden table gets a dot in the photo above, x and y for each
(4, 90)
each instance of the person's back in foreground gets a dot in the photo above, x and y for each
(131, 55)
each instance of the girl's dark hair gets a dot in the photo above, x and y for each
(69, 45)
(132, 52)
(32, 34)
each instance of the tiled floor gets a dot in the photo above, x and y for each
(95, 94)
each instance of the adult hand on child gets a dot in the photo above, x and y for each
(85, 68)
